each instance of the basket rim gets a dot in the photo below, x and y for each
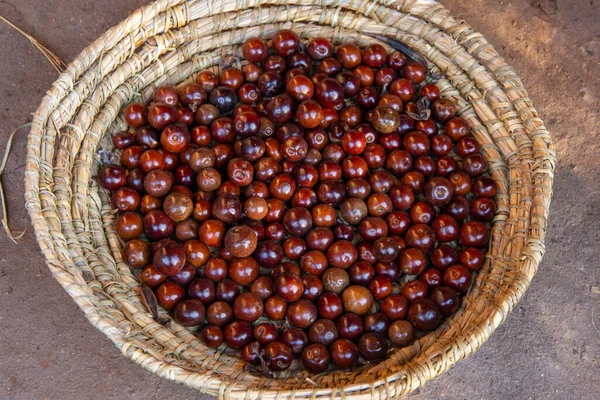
(545, 162)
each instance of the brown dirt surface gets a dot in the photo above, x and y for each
(548, 347)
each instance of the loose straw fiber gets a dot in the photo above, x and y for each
(167, 42)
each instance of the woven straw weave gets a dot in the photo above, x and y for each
(167, 42)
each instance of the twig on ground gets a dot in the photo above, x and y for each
(58, 64)
(2, 197)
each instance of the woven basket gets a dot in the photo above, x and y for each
(167, 42)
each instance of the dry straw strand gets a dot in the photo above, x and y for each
(58, 64)
(5, 225)
(166, 43)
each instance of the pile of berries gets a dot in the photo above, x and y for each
(318, 203)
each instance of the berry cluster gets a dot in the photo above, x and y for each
(314, 203)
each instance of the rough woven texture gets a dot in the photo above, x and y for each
(168, 41)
